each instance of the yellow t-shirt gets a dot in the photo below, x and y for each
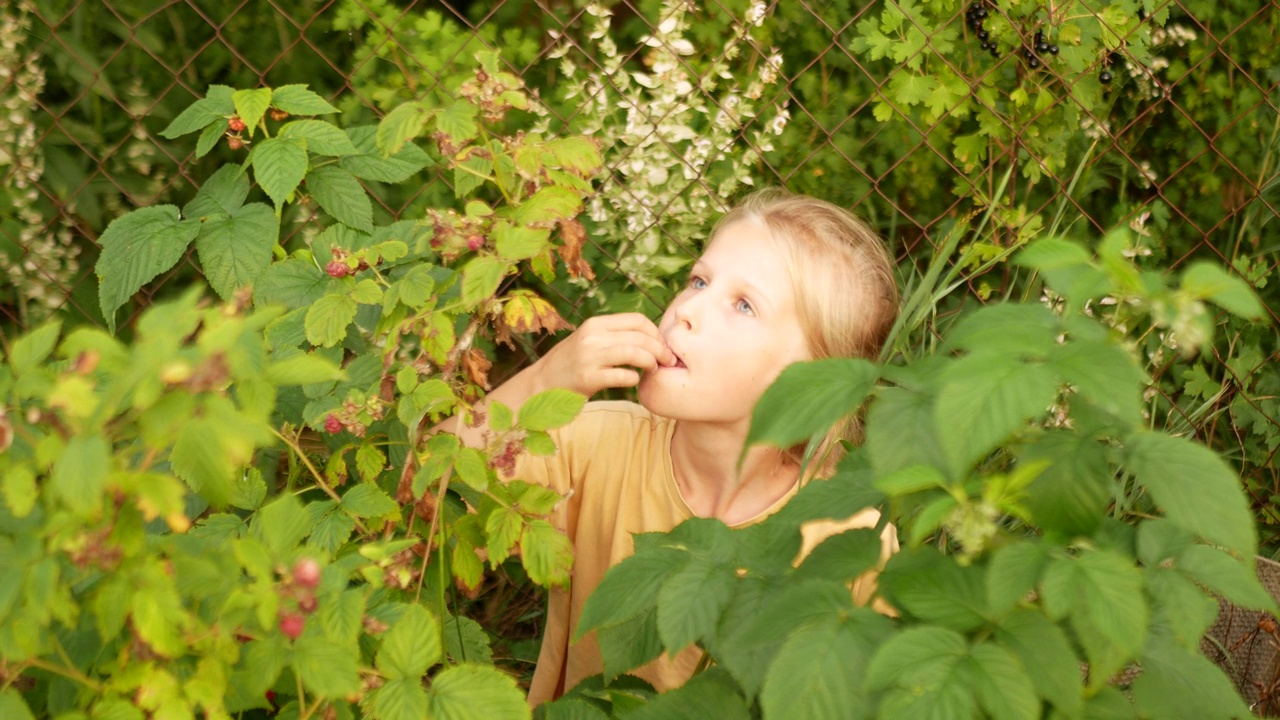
(613, 464)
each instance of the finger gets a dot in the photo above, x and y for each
(655, 346)
(618, 377)
(630, 321)
(636, 356)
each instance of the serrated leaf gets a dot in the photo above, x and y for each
(1195, 488)
(321, 137)
(411, 646)
(298, 100)
(458, 122)
(1001, 685)
(1176, 682)
(934, 587)
(812, 677)
(550, 409)
(200, 459)
(1014, 572)
(1231, 578)
(481, 277)
(808, 398)
(342, 196)
(1104, 374)
(546, 553)
(580, 154)
(1210, 282)
(282, 524)
(1046, 654)
(502, 529)
(1106, 589)
(223, 193)
(279, 164)
(691, 601)
(369, 164)
(470, 466)
(404, 699)
(251, 105)
(550, 204)
(327, 669)
(514, 242)
(294, 283)
(210, 136)
(331, 532)
(466, 641)
(235, 249)
(1007, 328)
(328, 318)
(416, 286)
(80, 472)
(629, 644)
(628, 589)
(136, 247)
(370, 461)
(475, 692)
(709, 694)
(983, 401)
(34, 348)
(401, 125)
(369, 500)
(303, 369)
(195, 116)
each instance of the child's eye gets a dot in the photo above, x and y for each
(696, 282)
(744, 306)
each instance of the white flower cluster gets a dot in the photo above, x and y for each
(661, 130)
(1148, 84)
(43, 266)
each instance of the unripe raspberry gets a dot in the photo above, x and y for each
(291, 624)
(235, 123)
(307, 604)
(277, 114)
(306, 572)
(332, 424)
(337, 269)
(234, 142)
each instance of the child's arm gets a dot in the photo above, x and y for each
(605, 351)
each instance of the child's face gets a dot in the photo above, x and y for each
(734, 327)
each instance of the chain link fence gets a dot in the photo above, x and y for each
(934, 120)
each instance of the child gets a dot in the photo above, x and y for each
(785, 278)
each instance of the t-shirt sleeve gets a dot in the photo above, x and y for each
(575, 444)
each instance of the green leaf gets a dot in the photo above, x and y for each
(35, 347)
(503, 528)
(321, 138)
(580, 154)
(931, 586)
(1007, 328)
(1104, 374)
(628, 589)
(18, 485)
(282, 523)
(550, 204)
(342, 196)
(399, 700)
(920, 660)
(808, 398)
(13, 707)
(1053, 253)
(546, 553)
(515, 242)
(210, 136)
(194, 117)
(481, 278)
(1072, 493)
(550, 409)
(1179, 604)
(466, 641)
(814, 675)
(222, 194)
(304, 369)
(251, 105)
(294, 283)
(842, 557)
(1233, 579)
(1176, 682)
(691, 601)
(369, 164)
(709, 694)
(342, 617)
(1106, 589)
(370, 461)
(458, 122)
(327, 669)
(80, 472)
(298, 100)
(105, 710)
(279, 164)
(1001, 685)
(629, 644)
(416, 286)
(1013, 574)
(475, 692)
(401, 125)
(136, 247)
(235, 249)
(369, 500)
(328, 318)
(1046, 654)
(1208, 281)
(1195, 488)
(411, 646)
(983, 401)
(900, 431)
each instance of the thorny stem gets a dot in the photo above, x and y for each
(319, 478)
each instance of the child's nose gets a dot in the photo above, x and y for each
(686, 311)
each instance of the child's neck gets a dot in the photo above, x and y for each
(705, 461)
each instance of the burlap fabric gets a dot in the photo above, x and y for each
(1246, 644)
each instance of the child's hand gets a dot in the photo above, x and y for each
(604, 352)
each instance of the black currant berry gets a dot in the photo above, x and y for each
(983, 34)
(981, 13)
(1039, 37)
(1104, 77)
(986, 46)
(1053, 49)
(1042, 47)
(1033, 63)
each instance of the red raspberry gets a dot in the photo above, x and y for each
(307, 604)
(278, 114)
(235, 123)
(234, 142)
(475, 242)
(291, 624)
(306, 572)
(332, 424)
(337, 269)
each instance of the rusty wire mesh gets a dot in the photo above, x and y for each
(89, 84)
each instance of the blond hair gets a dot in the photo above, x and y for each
(843, 278)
